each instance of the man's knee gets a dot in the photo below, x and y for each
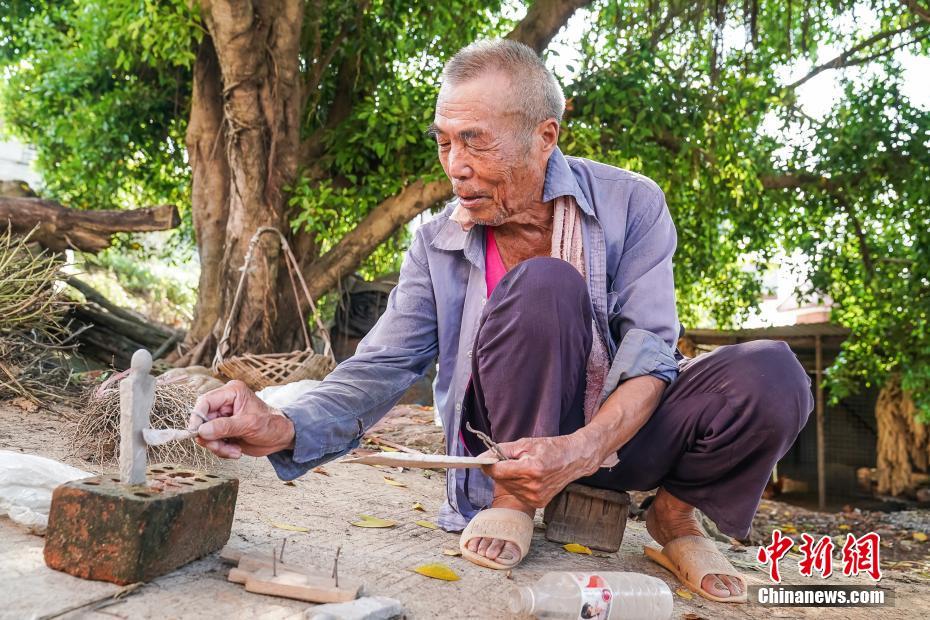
(768, 373)
(544, 278)
(542, 290)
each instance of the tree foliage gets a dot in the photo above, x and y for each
(700, 96)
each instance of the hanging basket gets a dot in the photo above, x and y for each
(259, 371)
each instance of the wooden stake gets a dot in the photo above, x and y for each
(821, 439)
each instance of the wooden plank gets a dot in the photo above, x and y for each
(821, 439)
(391, 444)
(425, 461)
(289, 584)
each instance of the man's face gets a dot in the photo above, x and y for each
(495, 168)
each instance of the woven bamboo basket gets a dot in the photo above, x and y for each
(259, 371)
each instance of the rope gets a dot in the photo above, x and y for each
(293, 268)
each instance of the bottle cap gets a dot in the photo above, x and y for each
(522, 601)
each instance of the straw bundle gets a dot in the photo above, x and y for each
(96, 432)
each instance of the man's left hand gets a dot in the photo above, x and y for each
(539, 467)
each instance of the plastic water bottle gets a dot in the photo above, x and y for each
(598, 596)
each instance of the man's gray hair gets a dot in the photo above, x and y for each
(535, 89)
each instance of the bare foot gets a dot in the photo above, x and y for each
(669, 518)
(494, 549)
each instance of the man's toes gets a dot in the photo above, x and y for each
(509, 553)
(733, 584)
(715, 586)
(494, 549)
(472, 544)
(483, 545)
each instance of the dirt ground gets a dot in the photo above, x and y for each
(382, 559)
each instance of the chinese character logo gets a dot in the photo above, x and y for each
(774, 552)
(860, 555)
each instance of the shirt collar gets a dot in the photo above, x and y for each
(560, 181)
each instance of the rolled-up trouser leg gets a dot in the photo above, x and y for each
(530, 355)
(718, 432)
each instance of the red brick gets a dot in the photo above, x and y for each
(101, 529)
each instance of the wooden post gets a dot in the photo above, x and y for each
(821, 440)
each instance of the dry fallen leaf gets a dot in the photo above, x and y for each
(320, 470)
(437, 571)
(289, 527)
(692, 617)
(25, 404)
(576, 548)
(394, 483)
(419, 506)
(426, 524)
(685, 594)
(388, 449)
(452, 552)
(920, 537)
(290, 483)
(369, 521)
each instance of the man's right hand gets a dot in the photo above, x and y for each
(239, 422)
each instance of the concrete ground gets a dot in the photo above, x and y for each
(381, 558)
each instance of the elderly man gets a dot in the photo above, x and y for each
(545, 290)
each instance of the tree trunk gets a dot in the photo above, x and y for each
(58, 228)
(206, 151)
(257, 49)
(903, 441)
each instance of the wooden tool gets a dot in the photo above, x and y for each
(271, 576)
(423, 461)
(160, 436)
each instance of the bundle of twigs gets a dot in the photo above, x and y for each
(33, 341)
(96, 429)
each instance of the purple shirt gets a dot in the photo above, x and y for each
(433, 314)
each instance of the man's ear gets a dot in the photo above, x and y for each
(548, 133)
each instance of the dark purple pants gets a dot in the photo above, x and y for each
(714, 438)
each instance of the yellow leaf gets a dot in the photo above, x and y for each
(685, 594)
(920, 537)
(843, 526)
(452, 552)
(388, 449)
(394, 483)
(576, 548)
(426, 524)
(289, 527)
(419, 506)
(437, 571)
(369, 521)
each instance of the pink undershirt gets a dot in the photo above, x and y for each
(494, 268)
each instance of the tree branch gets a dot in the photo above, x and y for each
(847, 59)
(59, 228)
(919, 11)
(376, 228)
(543, 21)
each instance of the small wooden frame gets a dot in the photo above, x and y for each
(595, 518)
(263, 576)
